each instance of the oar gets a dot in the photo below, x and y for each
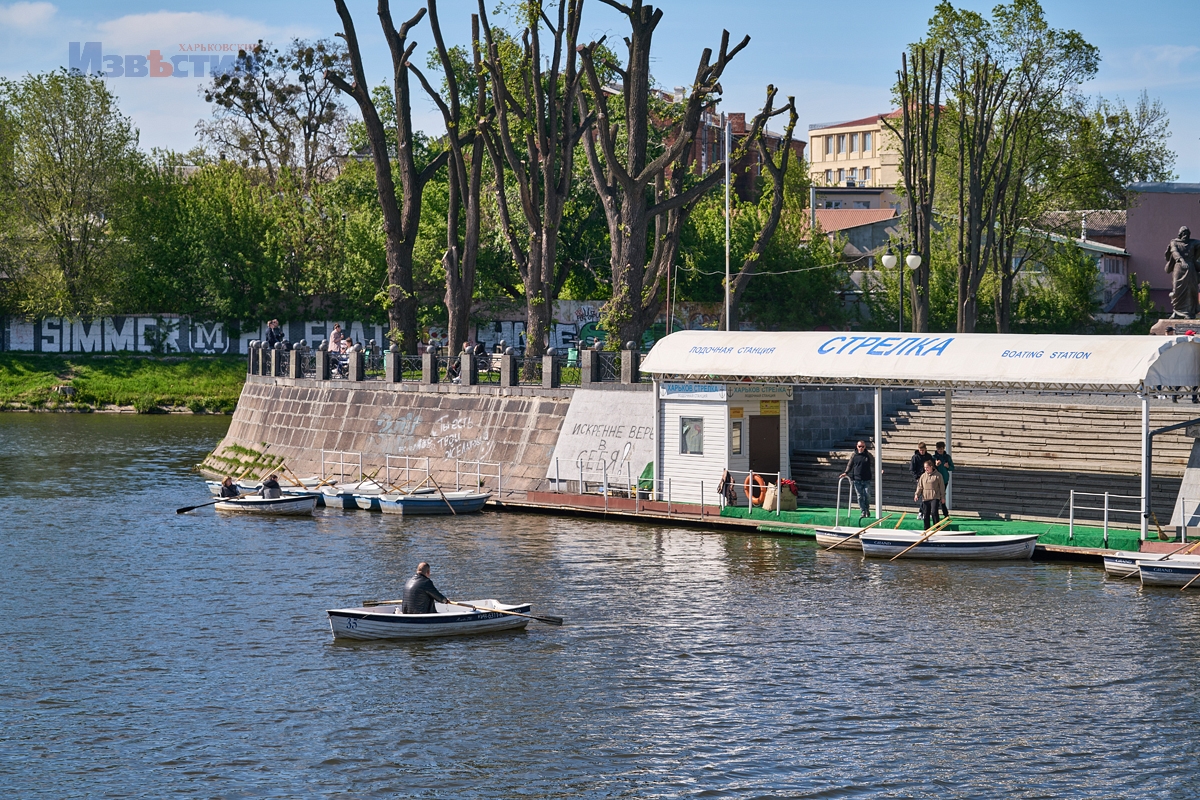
(937, 527)
(295, 479)
(1189, 583)
(900, 521)
(858, 533)
(186, 509)
(443, 494)
(1189, 547)
(546, 618)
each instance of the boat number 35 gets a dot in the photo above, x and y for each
(351, 623)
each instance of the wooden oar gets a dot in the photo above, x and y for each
(294, 478)
(859, 532)
(900, 521)
(443, 494)
(546, 618)
(186, 509)
(1189, 583)
(937, 527)
(1189, 547)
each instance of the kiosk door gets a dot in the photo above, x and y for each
(764, 444)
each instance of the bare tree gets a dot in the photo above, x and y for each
(778, 172)
(277, 110)
(535, 134)
(636, 190)
(920, 104)
(465, 178)
(400, 221)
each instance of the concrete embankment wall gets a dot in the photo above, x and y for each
(297, 419)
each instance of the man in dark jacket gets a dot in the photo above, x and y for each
(420, 593)
(860, 469)
(270, 487)
(274, 333)
(919, 457)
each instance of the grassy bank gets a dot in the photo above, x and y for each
(145, 384)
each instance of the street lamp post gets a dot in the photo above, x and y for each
(913, 261)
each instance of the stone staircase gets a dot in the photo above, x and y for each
(1018, 457)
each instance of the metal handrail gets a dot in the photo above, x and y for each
(1107, 510)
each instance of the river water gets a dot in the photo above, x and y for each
(149, 654)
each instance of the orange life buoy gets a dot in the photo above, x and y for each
(760, 493)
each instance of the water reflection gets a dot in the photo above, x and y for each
(150, 653)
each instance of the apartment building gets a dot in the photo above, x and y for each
(855, 164)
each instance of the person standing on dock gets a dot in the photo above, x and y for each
(420, 594)
(931, 494)
(917, 464)
(860, 469)
(945, 465)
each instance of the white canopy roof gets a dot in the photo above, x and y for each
(955, 360)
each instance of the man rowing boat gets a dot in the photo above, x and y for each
(420, 593)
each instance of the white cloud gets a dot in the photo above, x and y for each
(25, 16)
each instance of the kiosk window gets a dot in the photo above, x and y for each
(691, 435)
(735, 438)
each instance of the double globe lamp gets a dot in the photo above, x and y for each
(913, 261)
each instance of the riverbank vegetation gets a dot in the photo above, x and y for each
(139, 383)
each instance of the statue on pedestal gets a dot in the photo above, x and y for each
(1182, 254)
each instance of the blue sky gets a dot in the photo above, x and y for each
(838, 58)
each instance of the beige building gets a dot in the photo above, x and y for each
(856, 155)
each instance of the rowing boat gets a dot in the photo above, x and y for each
(963, 545)
(386, 622)
(463, 502)
(246, 485)
(1174, 571)
(275, 506)
(373, 501)
(1124, 564)
(831, 535)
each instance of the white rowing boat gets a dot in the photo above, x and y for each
(386, 622)
(274, 506)
(1174, 571)
(828, 536)
(246, 485)
(886, 544)
(1123, 564)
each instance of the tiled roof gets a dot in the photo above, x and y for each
(840, 219)
(872, 120)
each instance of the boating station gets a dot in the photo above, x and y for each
(1084, 443)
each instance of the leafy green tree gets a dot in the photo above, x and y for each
(72, 162)
(1104, 146)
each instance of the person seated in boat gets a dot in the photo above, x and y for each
(270, 487)
(229, 488)
(931, 493)
(420, 594)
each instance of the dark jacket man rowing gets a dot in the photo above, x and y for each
(270, 487)
(420, 593)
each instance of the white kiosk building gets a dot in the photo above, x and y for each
(722, 398)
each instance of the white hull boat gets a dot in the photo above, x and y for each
(886, 544)
(462, 502)
(386, 622)
(1124, 564)
(275, 506)
(829, 536)
(243, 485)
(1174, 571)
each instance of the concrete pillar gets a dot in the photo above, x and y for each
(322, 362)
(393, 366)
(468, 369)
(355, 366)
(631, 364)
(508, 369)
(429, 366)
(251, 354)
(589, 367)
(294, 363)
(551, 371)
(878, 452)
(276, 362)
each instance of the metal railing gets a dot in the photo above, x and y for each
(610, 366)
(529, 370)
(1106, 509)
(347, 463)
(373, 363)
(478, 471)
(620, 482)
(308, 363)
(399, 471)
